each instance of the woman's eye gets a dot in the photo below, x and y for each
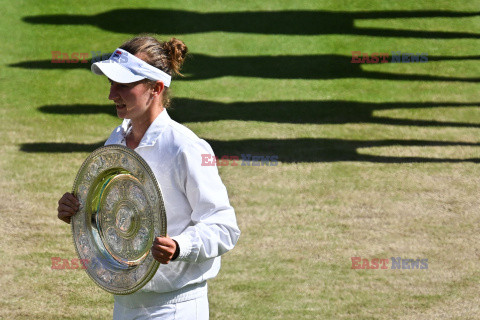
(120, 85)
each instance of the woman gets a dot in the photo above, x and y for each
(201, 222)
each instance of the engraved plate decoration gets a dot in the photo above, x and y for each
(121, 212)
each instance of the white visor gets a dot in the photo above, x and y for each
(124, 67)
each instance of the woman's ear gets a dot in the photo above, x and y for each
(158, 87)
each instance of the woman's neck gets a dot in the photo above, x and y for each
(139, 127)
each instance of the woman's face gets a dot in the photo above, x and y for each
(132, 100)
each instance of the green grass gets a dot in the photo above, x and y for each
(377, 160)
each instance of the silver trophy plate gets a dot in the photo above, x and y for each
(121, 212)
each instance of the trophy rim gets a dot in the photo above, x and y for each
(158, 209)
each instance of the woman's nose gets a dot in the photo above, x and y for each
(113, 92)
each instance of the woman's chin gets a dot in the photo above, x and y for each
(121, 112)
(121, 115)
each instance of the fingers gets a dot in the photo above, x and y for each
(68, 205)
(65, 213)
(164, 241)
(69, 199)
(163, 249)
(161, 256)
(67, 210)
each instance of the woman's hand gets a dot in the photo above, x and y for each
(67, 206)
(164, 249)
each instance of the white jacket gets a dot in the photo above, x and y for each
(199, 215)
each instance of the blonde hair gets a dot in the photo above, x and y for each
(167, 56)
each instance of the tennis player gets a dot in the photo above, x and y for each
(200, 220)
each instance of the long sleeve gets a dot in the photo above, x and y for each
(213, 230)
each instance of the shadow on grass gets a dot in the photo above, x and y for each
(59, 147)
(315, 112)
(201, 67)
(164, 21)
(293, 150)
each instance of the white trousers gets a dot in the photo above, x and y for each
(195, 309)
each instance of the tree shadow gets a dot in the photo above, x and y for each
(321, 67)
(291, 150)
(165, 21)
(315, 112)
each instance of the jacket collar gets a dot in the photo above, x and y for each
(153, 132)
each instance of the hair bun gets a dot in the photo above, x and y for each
(176, 51)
